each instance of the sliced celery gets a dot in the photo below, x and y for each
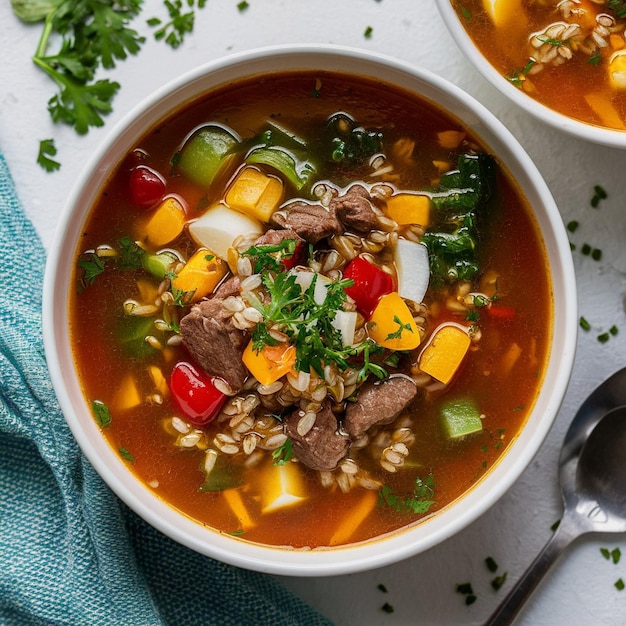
(205, 152)
(460, 417)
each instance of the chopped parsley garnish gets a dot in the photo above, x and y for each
(614, 555)
(595, 58)
(368, 32)
(47, 150)
(498, 581)
(269, 257)
(572, 226)
(180, 23)
(126, 455)
(397, 334)
(282, 455)
(598, 194)
(92, 267)
(466, 590)
(387, 608)
(492, 566)
(619, 584)
(101, 413)
(242, 6)
(418, 502)
(584, 324)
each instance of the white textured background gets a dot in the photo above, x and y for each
(580, 588)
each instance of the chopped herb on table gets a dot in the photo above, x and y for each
(466, 590)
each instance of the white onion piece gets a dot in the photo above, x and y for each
(219, 226)
(413, 269)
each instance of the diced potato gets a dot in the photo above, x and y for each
(220, 225)
(409, 208)
(255, 193)
(166, 223)
(445, 352)
(392, 325)
(127, 395)
(200, 275)
(282, 487)
(270, 363)
(356, 515)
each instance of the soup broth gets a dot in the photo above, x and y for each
(569, 56)
(261, 465)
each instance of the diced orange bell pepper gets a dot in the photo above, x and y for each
(409, 208)
(392, 325)
(200, 275)
(255, 193)
(445, 352)
(270, 363)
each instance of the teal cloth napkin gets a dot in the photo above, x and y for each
(70, 551)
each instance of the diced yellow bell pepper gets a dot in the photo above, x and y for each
(409, 208)
(166, 223)
(233, 498)
(127, 395)
(445, 352)
(255, 193)
(617, 70)
(392, 325)
(605, 110)
(200, 275)
(503, 12)
(159, 380)
(450, 139)
(270, 363)
(282, 487)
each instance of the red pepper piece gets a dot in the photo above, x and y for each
(501, 312)
(370, 284)
(147, 186)
(195, 394)
(298, 257)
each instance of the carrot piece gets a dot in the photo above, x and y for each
(166, 223)
(127, 395)
(354, 519)
(510, 358)
(409, 208)
(255, 193)
(270, 363)
(233, 498)
(445, 352)
(392, 325)
(603, 108)
(450, 139)
(200, 275)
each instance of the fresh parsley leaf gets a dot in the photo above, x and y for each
(419, 502)
(47, 150)
(92, 267)
(126, 455)
(181, 21)
(101, 413)
(283, 454)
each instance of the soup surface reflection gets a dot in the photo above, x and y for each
(310, 310)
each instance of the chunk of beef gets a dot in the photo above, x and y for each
(311, 221)
(354, 209)
(322, 447)
(379, 403)
(212, 340)
(230, 287)
(274, 237)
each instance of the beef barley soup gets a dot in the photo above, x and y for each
(311, 309)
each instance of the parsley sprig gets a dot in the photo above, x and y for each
(288, 309)
(418, 502)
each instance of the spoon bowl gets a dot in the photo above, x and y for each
(592, 473)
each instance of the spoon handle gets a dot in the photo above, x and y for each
(508, 609)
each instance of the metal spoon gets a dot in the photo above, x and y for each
(592, 472)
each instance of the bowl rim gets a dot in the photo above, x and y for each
(613, 138)
(355, 557)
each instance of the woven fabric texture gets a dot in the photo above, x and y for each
(70, 551)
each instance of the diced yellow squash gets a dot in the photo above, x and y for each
(354, 518)
(219, 226)
(200, 275)
(392, 325)
(127, 395)
(166, 223)
(409, 208)
(282, 487)
(233, 498)
(503, 12)
(616, 41)
(605, 110)
(255, 193)
(450, 139)
(158, 379)
(270, 363)
(445, 352)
